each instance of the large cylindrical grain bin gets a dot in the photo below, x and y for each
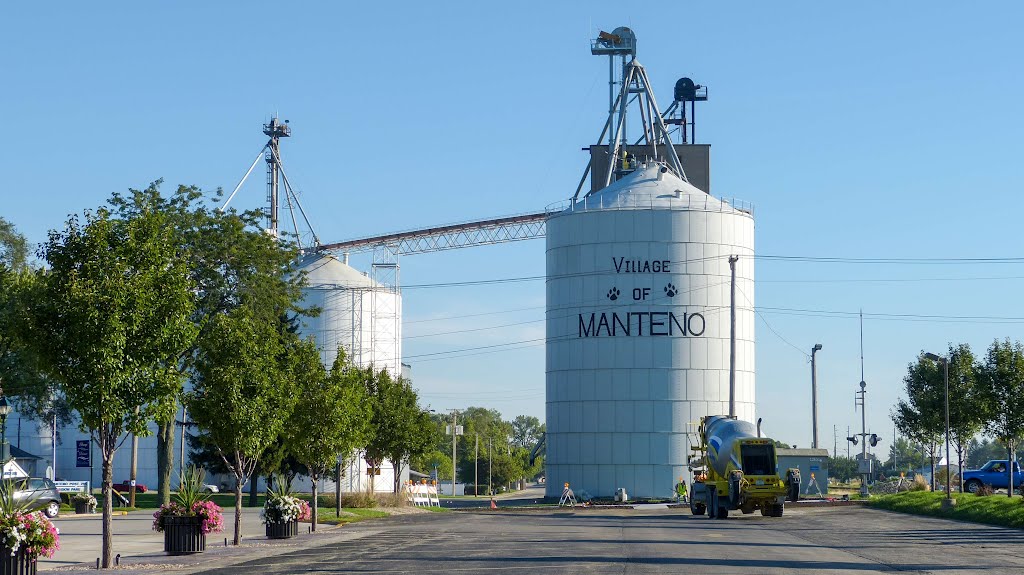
(638, 294)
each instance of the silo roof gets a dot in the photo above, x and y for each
(653, 186)
(326, 270)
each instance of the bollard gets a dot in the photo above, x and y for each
(225, 541)
(97, 563)
(117, 560)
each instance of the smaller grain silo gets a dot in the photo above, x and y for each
(356, 313)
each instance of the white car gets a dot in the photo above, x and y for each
(209, 488)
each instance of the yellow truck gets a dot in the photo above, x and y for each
(736, 468)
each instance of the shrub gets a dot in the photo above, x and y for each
(366, 500)
(918, 484)
(984, 491)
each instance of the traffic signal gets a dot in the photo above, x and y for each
(873, 440)
(852, 439)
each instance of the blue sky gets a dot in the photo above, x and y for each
(858, 130)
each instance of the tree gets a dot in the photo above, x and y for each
(230, 258)
(921, 417)
(331, 418)
(842, 468)
(243, 391)
(526, 431)
(966, 405)
(400, 428)
(13, 247)
(109, 319)
(1001, 388)
(903, 456)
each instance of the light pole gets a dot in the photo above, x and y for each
(948, 502)
(814, 394)
(5, 410)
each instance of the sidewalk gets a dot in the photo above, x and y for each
(81, 537)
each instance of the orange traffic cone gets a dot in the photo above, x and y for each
(493, 504)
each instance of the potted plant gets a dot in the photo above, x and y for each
(24, 536)
(84, 503)
(283, 511)
(186, 521)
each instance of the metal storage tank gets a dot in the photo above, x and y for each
(356, 312)
(638, 297)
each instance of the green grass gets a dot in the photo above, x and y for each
(992, 510)
(349, 515)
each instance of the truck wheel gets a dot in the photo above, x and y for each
(764, 510)
(712, 503)
(723, 511)
(777, 510)
(698, 509)
(972, 486)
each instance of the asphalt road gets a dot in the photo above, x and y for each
(652, 541)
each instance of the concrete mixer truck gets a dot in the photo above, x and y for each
(736, 468)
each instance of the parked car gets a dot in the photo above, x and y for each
(126, 486)
(37, 494)
(210, 488)
(992, 473)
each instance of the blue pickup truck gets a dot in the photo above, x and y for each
(992, 473)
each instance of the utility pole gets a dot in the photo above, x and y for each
(814, 394)
(732, 336)
(865, 465)
(835, 441)
(476, 465)
(489, 490)
(455, 436)
(847, 443)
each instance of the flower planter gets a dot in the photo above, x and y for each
(282, 530)
(184, 535)
(21, 563)
(82, 507)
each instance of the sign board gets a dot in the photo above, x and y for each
(13, 471)
(72, 486)
(83, 453)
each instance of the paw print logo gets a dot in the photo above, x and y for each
(614, 293)
(671, 290)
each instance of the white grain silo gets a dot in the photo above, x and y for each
(638, 330)
(356, 313)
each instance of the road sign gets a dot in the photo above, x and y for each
(83, 453)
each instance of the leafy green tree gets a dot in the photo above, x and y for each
(13, 247)
(842, 468)
(1001, 387)
(431, 460)
(22, 377)
(921, 417)
(331, 418)
(109, 319)
(244, 391)
(903, 456)
(526, 431)
(401, 429)
(231, 260)
(966, 404)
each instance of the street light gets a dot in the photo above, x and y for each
(5, 410)
(814, 394)
(948, 502)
